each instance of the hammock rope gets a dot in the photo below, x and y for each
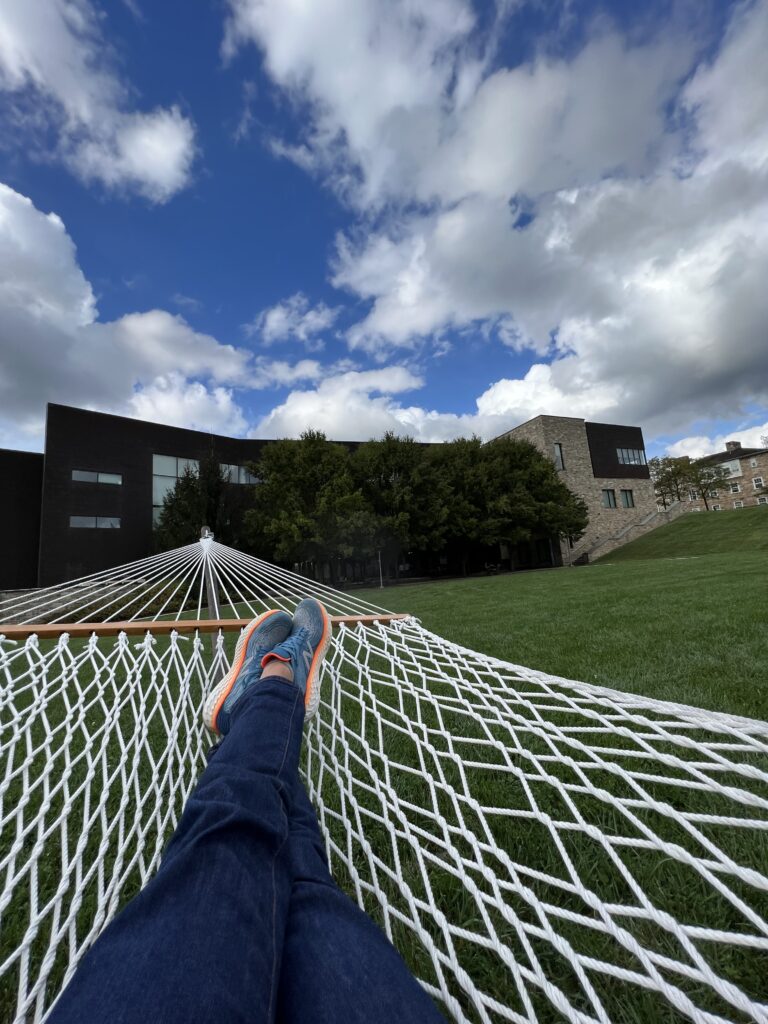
(540, 849)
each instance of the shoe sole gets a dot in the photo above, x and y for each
(312, 692)
(222, 690)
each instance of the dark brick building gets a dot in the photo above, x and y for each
(88, 503)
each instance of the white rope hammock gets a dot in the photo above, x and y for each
(539, 849)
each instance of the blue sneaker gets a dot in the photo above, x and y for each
(305, 649)
(258, 637)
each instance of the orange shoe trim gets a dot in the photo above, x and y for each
(271, 656)
(235, 670)
(319, 652)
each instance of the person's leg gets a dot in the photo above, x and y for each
(202, 942)
(337, 964)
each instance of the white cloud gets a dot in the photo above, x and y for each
(634, 276)
(356, 405)
(700, 445)
(57, 70)
(372, 71)
(53, 347)
(173, 399)
(293, 320)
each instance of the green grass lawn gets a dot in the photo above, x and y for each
(689, 623)
(735, 531)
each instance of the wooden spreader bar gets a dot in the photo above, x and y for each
(162, 627)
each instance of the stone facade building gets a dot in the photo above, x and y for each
(748, 482)
(605, 464)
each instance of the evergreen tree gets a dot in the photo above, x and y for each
(200, 498)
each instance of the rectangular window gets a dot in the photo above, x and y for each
(757, 483)
(161, 485)
(716, 508)
(738, 504)
(94, 522)
(753, 463)
(735, 488)
(559, 461)
(164, 465)
(82, 522)
(713, 494)
(609, 498)
(627, 499)
(631, 456)
(693, 495)
(88, 476)
(762, 501)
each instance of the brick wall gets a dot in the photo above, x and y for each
(578, 475)
(747, 494)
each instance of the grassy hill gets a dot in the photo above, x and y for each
(703, 533)
(683, 619)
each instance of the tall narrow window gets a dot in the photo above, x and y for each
(609, 498)
(627, 499)
(559, 460)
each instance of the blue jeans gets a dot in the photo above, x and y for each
(243, 922)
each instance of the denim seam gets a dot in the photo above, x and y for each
(288, 735)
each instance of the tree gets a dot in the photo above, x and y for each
(670, 477)
(405, 493)
(525, 496)
(200, 498)
(307, 507)
(703, 476)
(459, 464)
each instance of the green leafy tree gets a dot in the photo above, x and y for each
(307, 507)
(703, 477)
(670, 477)
(200, 498)
(459, 464)
(406, 493)
(525, 496)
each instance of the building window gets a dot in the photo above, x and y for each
(238, 475)
(716, 508)
(88, 476)
(753, 463)
(631, 456)
(693, 495)
(627, 499)
(559, 461)
(738, 504)
(757, 483)
(166, 470)
(762, 501)
(735, 488)
(94, 522)
(609, 498)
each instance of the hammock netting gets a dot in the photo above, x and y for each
(538, 849)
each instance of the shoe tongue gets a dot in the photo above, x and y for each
(280, 653)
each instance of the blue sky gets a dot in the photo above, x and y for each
(433, 216)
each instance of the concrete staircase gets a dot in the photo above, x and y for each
(650, 522)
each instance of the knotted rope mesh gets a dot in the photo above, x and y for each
(538, 849)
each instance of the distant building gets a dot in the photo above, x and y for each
(605, 464)
(89, 502)
(747, 483)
